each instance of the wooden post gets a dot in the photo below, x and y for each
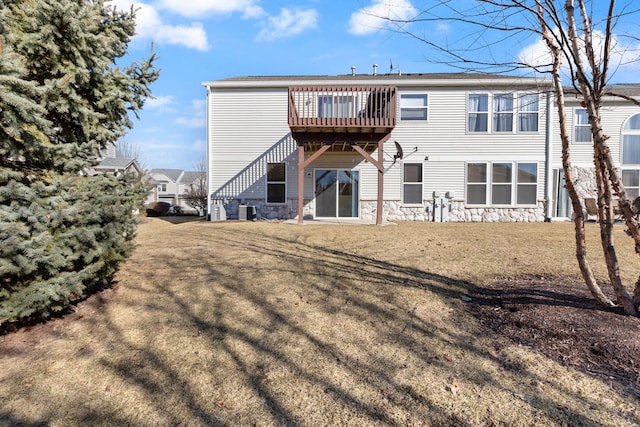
(301, 165)
(380, 182)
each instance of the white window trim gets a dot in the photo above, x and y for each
(575, 126)
(516, 112)
(267, 182)
(513, 112)
(624, 133)
(519, 112)
(426, 107)
(413, 183)
(627, 187)
(489, 185)
(487, 113)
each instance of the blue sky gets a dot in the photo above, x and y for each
(204, 40)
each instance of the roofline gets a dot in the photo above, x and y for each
(405, 80)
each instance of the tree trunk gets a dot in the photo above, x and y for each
(580, 236)
(605, 172)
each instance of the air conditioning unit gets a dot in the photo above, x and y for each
(246, 213)
(218, 212)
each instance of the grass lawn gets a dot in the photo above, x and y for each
(261, 323)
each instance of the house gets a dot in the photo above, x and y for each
(172, 186)
(621, 123)
(112, 161)
(424, 147)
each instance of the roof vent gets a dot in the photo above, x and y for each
(375, 69)
(353, 70)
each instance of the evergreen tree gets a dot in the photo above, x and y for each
(62, 98)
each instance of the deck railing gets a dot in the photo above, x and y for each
(342, 106)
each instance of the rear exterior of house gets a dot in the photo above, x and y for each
(432, 147)
(621, 123)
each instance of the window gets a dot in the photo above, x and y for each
(503, 112)
(527, 183)
(412, 184)
(477, 183)
(631, 141)
(528, 109)
(581, 128)
(502, 183)
(276, 183)
(162, 188)
(478, 114)
(413, 106)
(631, 155)
(631, 180)
(339, 106)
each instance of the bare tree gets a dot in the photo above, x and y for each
(126, 148)
(196, 196)
(576, 51)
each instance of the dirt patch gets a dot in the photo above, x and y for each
(560, 319)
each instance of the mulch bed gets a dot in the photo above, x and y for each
(561, 320)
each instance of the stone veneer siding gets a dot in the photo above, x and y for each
(394, 211)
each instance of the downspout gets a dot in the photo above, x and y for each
(548, 174)
(209, 216)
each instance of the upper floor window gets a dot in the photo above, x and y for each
(162, 187)
(276, 183)
(414, 106)
(503, 108)
(631, 141)
(412, 184)
(478, 113)
(528, 112)
(503, 112)
(581, 128)
(502, 183)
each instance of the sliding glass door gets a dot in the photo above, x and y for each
(336, 192)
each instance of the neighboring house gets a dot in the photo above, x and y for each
(112, 161)
(621, 123)
(425, 147)
(172, 185)
(165, 183)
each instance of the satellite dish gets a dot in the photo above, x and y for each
(399, 154)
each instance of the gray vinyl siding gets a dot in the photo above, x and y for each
(248, 129)
(614, 115)
(444, 140)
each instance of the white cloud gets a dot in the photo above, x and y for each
(198, 116)
(376, 16)
(443, 28)
(197, 8)
(622, 57)
(199, 145)
(159, 102)
(149, 25)
(289, 23)
(536, 54)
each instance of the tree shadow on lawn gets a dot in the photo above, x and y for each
(290, 333)
(334, 334)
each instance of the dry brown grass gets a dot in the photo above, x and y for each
(274, 324)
